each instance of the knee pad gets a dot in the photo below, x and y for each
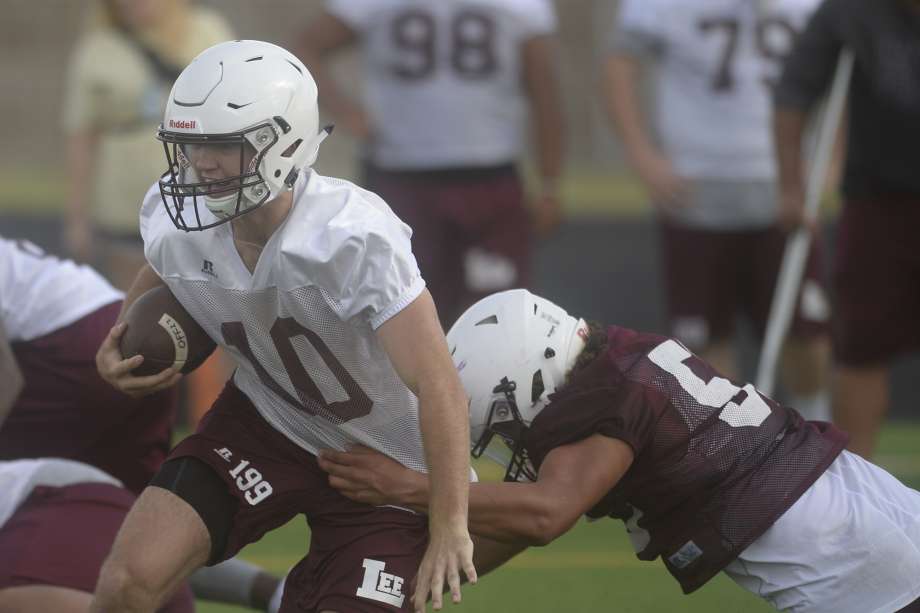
(199, 485)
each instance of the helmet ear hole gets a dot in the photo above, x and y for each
(289, 152)
(536, 387)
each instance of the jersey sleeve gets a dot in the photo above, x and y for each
(356, 14)
(152, 218)
(637, 29)
(600, 400)
(372, 272)
(538, 18)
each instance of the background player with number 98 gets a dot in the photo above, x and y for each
(443, 120)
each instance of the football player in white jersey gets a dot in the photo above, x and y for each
(311, 286)
(447, 90)
(54, 404)
(69, 512)
(711, 173)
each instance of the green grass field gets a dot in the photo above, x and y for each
(592, 568)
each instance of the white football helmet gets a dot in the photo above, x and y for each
(243, 95)
(512, 350)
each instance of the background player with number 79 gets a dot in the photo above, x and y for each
(707, 160)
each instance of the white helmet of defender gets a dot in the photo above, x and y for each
(243, 95)
(512, 350)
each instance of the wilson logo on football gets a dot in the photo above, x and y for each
(183, 124)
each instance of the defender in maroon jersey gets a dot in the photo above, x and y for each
(707, 474)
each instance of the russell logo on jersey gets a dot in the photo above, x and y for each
(207, 267)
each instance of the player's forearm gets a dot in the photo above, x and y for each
(619, 87)
(515, 514)
(81, 158)
(332, 97)
(445, 434)
(323, 38)
(788, 131)
(489, 554)
(546, 113)
(550, 153)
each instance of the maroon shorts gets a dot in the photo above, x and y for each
(361, 558)
(714, 275)
(67, 411)
(877, 281)
(471, 230)
(60, 536)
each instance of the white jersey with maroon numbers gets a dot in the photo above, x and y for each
(717, 61)
(444, 84)
(40, 293)
(301, 326)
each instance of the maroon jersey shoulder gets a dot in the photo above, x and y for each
(716, 462)
(68, 411)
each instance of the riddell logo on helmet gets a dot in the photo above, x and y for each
(183, 124)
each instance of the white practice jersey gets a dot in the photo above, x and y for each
(19, 477)
(717, 63)
(40, 293)
(301, 327)
(444, 85)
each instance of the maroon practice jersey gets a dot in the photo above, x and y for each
(715, 463)
(66, 410)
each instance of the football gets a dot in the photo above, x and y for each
(162, 331)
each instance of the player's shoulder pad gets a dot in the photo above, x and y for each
(342, 234)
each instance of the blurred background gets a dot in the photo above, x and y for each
(602, 262)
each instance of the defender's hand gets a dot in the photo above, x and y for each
(117, 371)
(368, 476)
(450, 549)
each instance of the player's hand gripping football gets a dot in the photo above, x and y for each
(116, 370)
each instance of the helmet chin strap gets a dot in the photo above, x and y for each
(218, 206)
